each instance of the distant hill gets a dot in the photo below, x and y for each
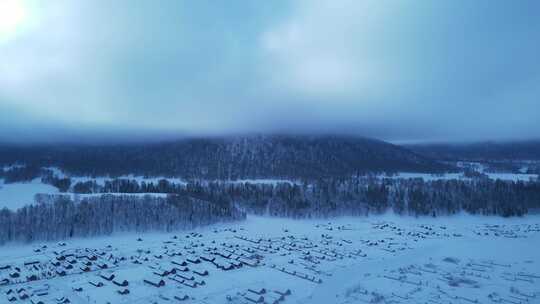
(522, 150)
(230, 158)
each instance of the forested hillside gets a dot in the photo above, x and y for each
(483, 151)
(229, 158)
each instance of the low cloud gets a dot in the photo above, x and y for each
(414, 70)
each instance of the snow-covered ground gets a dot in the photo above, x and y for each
(14, 166)
(175, 180)
(512, 176)
(16, 195)
(102, 179)
(264, 181)
(448, 176)
(383, 259)
(425, 176)
(78, 196)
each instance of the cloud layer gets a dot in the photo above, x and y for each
(411, 70)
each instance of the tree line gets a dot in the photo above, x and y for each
(184, 206)
(364, 196)
(353, 196)
(55, 217)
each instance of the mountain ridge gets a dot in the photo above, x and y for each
(233, 157)
(488, 150)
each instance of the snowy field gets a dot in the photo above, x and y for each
(448, 176)
(384, 259)
(425, 176)
(513, 176)
(16, 195)
(100, 180)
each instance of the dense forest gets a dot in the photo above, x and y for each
(330, 197)
(166, 206)
(330, 176)
(56, 217)
(229, 158)
(481, 151)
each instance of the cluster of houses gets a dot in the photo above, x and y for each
(507, 231)
(261, 295)
(183, 263)
(32, 294)
(62, 263)
(120, 284)
(176, 262)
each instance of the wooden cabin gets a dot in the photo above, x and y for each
(154, 282)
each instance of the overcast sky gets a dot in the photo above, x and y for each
(395, 70)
